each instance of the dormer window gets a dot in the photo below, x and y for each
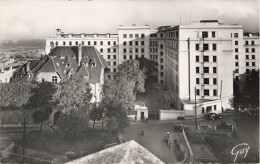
(92, 62)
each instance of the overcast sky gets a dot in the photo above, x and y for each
(33, 19)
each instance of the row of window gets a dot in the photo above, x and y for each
(108, 50)
(131, 50)
(207, 81)
(253, 64)
(206, 70)
(153, 50)
(206, 47)
(252, 49)
(133, 42)
(252, 42)
(206, 58)
(131, 57)
(109, 70)
(133, 35)
(252, 57)
(207, 92)
(173, 45)
(83, 43)
(205, 34)
(108, 57)
(109, 77)
(172, 34)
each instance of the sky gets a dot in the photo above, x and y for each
(38, 19)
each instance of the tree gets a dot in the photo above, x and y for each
(74, 92)
(42, 95)
(15, 94)
(149, 67)
(246, 90)
(42, 114)
(72, 123)
(96, 114)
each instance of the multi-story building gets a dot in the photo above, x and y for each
(199, 62)
(106, 44)
(251, 50)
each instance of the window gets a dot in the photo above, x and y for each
(125, 50)
(114, 69)
(253, 49)
(252, 42)
(161, 35)
(114, 56)
(109, 63)
(88, 42)
(206, 92)
(114, 43)
(213, 34)
(142, 43)
(114, 77)
(131, 57)
(95, 43)
(247, 50)
(247, 56)
(214, 81)
(108, 76)
(101, 49)
(197, 47)
(136, 43)
(236, 57)
(161, 73)
(142, 35)
(136, 56)
(253, 63)
(124, 56)
(236, 64)
(235, 35)
(247, 63)
(161, 53)
(124, 36)
(205, 47)
(206, 58)
(197, 69)
(142, 49)
(136, 35)
(54, 79)
(204, 34)
(161, 59)
(101, 43)
(214, 47)
(136, 50)
(247, 71)
(114, 50)
(197, 80)
(43, 80)
(214, 58)
(246, 42)
(130, 50)
(130, 35)
(214, 69)
(253, 56)
(206, 80)
(130, 43)
(215, 92)
(161, 46)
(198, 92)
(215, 107)
(108, 43)
(161, 66)
(64, 43)
(57, 43)
(236, 49)
(70, 43)
(82, 42)
(108, 56)
(206, 69)
(124, 43)
(236, 70)
(108, 50)
(236, 42)
(197, 59)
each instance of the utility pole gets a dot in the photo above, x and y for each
(24, 129)
(196, 109)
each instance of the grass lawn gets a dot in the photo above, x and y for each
(50, 142)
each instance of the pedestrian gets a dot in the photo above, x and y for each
(52, 127)
(135, 117)
(169, 143)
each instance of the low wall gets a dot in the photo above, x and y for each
(170, 114)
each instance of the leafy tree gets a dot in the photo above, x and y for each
(15, 94)
(42, 95)
(72, 123)
(74, 92)
(246, 90)
(129, 71)
(149, 67)
(96, 114)
(42, 114)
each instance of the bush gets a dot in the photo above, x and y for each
(72, 123)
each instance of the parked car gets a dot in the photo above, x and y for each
(213, 116)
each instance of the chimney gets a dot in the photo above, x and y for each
(79, 53)
(27, 67)
(52, 46)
